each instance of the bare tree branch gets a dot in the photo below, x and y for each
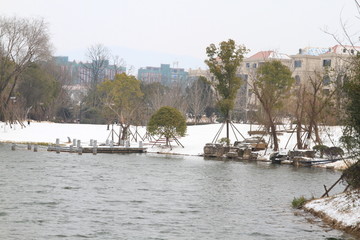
(22, 41)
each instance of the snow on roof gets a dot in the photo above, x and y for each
(313, 51)
(267, 55)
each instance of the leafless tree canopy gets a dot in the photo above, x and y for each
(199, 97)
(22, 41)
(98, 55)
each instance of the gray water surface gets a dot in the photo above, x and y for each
(44, 195)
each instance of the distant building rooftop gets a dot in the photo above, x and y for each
(267, 55)
(313, 51)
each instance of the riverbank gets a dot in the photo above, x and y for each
(341, 211)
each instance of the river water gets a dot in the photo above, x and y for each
(44, 195)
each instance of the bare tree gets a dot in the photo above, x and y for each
(98, 59)
(317, 102)
(158, 95)
(119, 64)
(296, 109)
(154, 96)
(22, 41)
(199, 96)
(175, 97)
(62, 103)
(98, 55)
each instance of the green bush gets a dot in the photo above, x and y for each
(224, 141)
(298, 202)
(167, 122)
(334, 151)
(321, 149)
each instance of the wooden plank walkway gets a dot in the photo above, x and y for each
(99, 149)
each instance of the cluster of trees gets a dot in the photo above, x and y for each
(307, 104)
(126, 100)
(33, 86)
(351, 96)
(351, 138)
(30, 83)
(317, 101)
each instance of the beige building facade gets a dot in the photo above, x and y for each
(329, 63)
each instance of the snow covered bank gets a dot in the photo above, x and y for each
(194, 141)
(342, 211)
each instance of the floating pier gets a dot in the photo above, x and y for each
(93, 148)
(99, 149)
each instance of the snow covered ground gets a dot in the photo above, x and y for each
(344, 208)
(194, 141)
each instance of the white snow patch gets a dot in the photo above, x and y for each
(344, 208)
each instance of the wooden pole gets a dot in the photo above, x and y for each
(227, 133)
(327, 191)
(79, 150)
(95, 147)
(233, 126)
(218, 133)
(290, 137)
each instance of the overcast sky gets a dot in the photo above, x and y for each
(151, 32)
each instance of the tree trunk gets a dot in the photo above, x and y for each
(273, 132)
(298, 135)
(317, 134)
(124, 132)
(308, 137)
(196, 119)
(299, 113)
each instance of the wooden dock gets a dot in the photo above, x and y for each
(98, 149)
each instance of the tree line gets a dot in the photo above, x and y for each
(30, 84)
(33, 86)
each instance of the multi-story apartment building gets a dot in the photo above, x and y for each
(306, 63)
(309, 63)
(329, 63)
(80, 73)
(164, 75)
